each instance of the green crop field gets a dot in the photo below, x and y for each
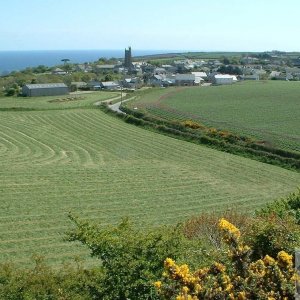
(266, 110)
(70, 156)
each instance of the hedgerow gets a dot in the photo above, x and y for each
(218, 139)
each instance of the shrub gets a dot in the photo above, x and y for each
(205, 226)
(42, 282)
(192, 124)
(282, 207)
(239, 278)
(131, 258)
(10, 92)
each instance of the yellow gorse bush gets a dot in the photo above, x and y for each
(242, 278)
(228, 229)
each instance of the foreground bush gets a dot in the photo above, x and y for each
(131, 258)
(237, 277)
(285, 206)
(43, 282)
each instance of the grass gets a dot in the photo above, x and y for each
(266, 110)
(57, 102)
(79, 159)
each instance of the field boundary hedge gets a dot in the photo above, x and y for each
(217, 139)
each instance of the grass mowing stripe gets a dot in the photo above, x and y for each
(116, 169)
(265, 110)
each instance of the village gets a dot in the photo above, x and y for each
(133, 73)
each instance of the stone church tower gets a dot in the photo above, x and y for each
(128, 59)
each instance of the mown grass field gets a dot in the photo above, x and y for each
(75, 100)
(266, 110)
(59, 159)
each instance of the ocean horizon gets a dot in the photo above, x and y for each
(20, 60)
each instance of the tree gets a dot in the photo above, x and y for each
(65, 60)
(108, 77)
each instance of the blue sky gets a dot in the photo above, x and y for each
(219, 25)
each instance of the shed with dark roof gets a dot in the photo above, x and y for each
(46, 89)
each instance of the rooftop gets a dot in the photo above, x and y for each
(44, 85)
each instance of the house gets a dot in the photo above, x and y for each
(296, 62)
(249, 77)
(79, 84)
(160, 71)
(249, 60)
(185, 79)
(94, 85)
(224, 79)
(274, 75)
(147, 68)
(58, 71)
(169, 68)
(105, 68)
(110, 85)
(200, 76)
(132, 83)
(295, 72)
(47, 89)
(83, 68)
(156, 80)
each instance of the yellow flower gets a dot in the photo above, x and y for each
(242, 296)
(157, 284)
(229, 287)
(268, 260)
(284, 259)
(185, 289)
(186, 297)
(219, 267)
(258, 268)
(228, 227)
(169, 263)
(231, 296)
(198, 288)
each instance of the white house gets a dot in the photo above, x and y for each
(59, 71)
(200, 77)
(224, 79)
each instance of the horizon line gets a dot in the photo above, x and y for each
(164, 50)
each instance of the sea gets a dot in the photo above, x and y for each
(20, 60)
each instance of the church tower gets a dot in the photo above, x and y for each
(128, 59)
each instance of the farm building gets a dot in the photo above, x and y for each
(202, 75)
(110, 85)
(224, 79)
(185, 79)
(47, 89)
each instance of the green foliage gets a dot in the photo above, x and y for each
(237, 276)
(45, 283)
(271, 234)
(285, 206)
(108, 77)
(10, 92)
(131, 258)
(230, 70)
